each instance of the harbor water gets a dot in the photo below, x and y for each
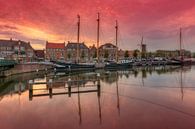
(138, 98)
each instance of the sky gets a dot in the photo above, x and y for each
(158, 21)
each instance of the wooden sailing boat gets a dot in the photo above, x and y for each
(181, 60)
(77, 66)
(118, 64)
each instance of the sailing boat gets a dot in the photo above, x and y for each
(118, 64)
(181, 60)
(70, 67)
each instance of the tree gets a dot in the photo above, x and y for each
(143, 54)
(135, 53)
(126, 54)
(149, 54)
(95, 55)
(193, 55)
(106, 54)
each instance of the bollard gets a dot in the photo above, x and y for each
(50, 88)
(98, 88)
(69, 91)
(30, 83)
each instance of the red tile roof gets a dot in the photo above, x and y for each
(55, 45)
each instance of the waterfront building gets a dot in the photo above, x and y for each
(55, 51)
(71, 52)
(172, 53)
(107, 51)
(40, 55)
(18, 50)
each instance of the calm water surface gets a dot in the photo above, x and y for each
(143, 98)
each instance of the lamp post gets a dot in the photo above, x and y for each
(18, 51)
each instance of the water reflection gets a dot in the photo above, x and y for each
(132, 94)
(18, 84)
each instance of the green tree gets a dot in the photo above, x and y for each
(193, 55)
(135, 53)
(95, 55)
(126, 54)
(143, 54)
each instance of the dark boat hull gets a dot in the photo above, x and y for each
(71, 67)
(113, 66)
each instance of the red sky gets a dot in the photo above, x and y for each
(158, 21)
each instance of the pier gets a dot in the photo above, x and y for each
(70, 87)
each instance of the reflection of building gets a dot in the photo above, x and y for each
(16, 50)
(107, 51)
(55, 51)
(71, 49)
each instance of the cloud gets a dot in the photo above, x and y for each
(56, 19)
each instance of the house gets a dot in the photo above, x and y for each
(71, 52)
(40, 54)
(18, 50)
(55, 51)
(107, 51)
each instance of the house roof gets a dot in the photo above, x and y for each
(55, 45)
(72, 45)
(107, 45)
(12, 43)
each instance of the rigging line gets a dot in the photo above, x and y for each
(72, 31)
(69, 33)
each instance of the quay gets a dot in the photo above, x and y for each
(25, 68)
(48, 67)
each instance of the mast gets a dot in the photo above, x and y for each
(116, 27)
(141, 47)
(142, 40)
(98, 35)
(180, 44)
(78, 37)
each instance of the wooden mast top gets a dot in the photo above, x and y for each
(116, 27)
(78, 37)
(98, 35)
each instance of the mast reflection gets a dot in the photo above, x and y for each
(73, 87)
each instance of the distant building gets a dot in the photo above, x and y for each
(71, 52)
(40, 54)
(107, 51)
(172, 53)
(16, 50)
(55, 51)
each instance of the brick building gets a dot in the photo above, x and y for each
(55, 51)
(18, 50)
(107, 51)
(71, 52)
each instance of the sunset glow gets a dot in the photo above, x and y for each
(158, 21)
